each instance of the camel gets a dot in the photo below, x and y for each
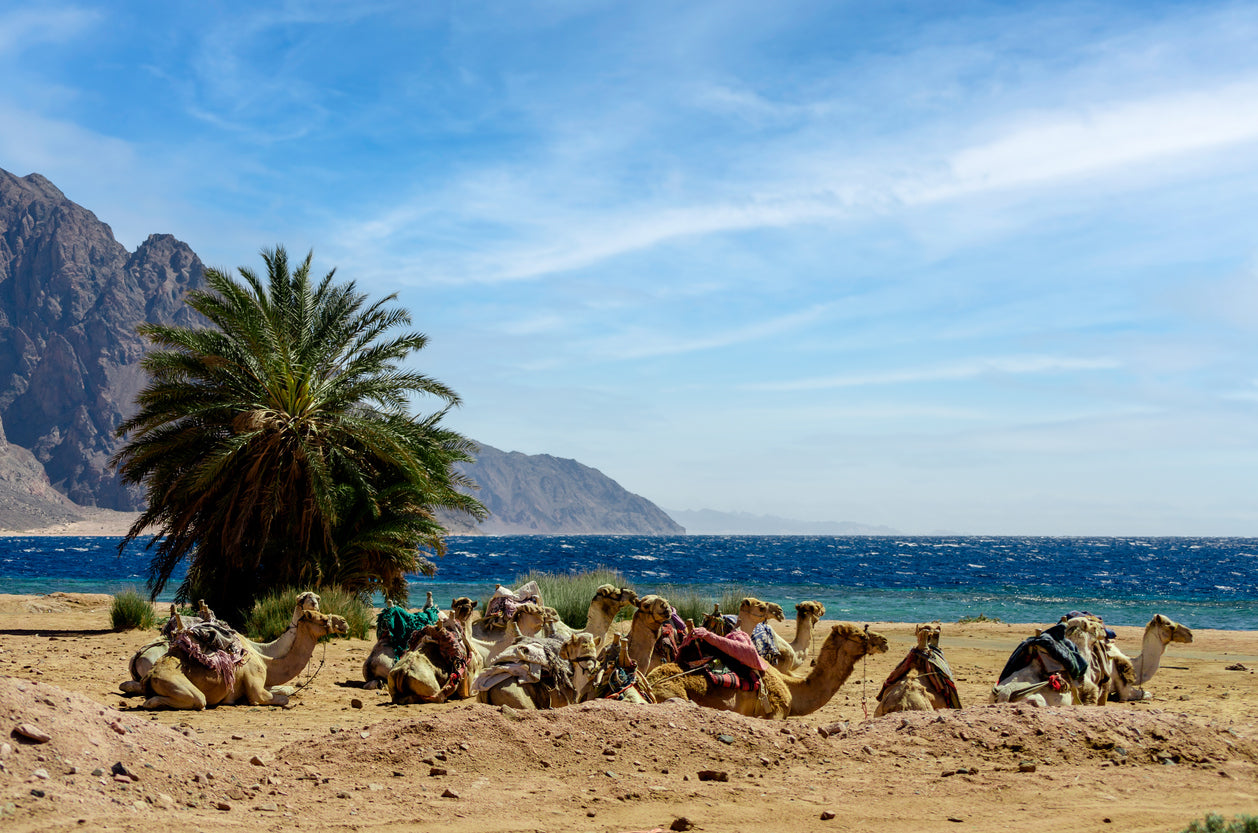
(543, 673)
(143, 660)
(904, 689)
(177, 682)
(617, 676)
(608, 601)
(786, 695)
(792, 655)
(1045, 681)
(442, 665)
(644, 630)
(1127, 676)
(383, 654)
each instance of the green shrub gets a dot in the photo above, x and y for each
(271, 614)
(570, 593)
(982, 617)
(1214, 823)
(694, 604)
(129, 610)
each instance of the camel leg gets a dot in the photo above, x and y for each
(132, 688)
(509, 693)
(174, 691)
(254, 691)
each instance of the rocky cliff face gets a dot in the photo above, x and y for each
(71, 297)
(543, 495)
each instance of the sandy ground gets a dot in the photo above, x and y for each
(329, 764)
(97, 522)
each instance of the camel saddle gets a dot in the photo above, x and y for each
(1052, 643)
(761, 637)
(722, 659)
(397, 624)
(933, 672)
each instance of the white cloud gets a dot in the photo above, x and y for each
(24, 29)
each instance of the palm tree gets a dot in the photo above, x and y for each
(275, 447)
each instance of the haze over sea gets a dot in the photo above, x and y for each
(1202, 582)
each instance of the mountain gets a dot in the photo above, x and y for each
(537, 494)
(712, 522)
(70, 299)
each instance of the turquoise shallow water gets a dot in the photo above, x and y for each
(1203, 582)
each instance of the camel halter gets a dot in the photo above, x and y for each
(864, 660)
(322, 659)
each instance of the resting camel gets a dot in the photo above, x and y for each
(143, 660)
(922, 681)
(443, 663)
(1159, 633)
(1045, 682)
(380, 660)
(617, 676)
(177, 682)
(787, 695)
(608, 601)
(644, 630)
(544, 673)
(792, 655)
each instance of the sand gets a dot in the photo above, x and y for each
(327, 764)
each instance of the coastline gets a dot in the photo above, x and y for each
(349, 757)
(96, 523)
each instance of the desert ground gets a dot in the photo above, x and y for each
(341, 758)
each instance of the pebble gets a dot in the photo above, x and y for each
(681, 823)
(826, 815)
(41, 774)
(32, 733)
(449, 793)
(256, 761)
(713, 775)
(268, 807)
(222, 805)
(120, 769)
(355, 703)
(38, 793)
(1026, 766)
(5, 750)
(726, 739)
(436, 770)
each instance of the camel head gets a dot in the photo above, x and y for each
(612, 593)
(323, 624)
(753, 609)
(654, 607)
(775, 611)
(928, 634)
(811, 610)
(581, 651)
(714, 621)
(462, 608)
(529, 618)
(308, 600)
(1170, 631)
(864, 641)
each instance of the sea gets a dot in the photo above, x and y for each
(1200, 582)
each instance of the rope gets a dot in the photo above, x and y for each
(322, 659)
(864, 675)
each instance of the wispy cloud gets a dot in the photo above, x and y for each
(28, 28)
(960, 371)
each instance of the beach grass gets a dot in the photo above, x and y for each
(1215, 823)
(129, 610)
(272, 613)
(694, 604)
(570, 593)
(982, 617)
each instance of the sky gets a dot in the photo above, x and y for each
(977, 268)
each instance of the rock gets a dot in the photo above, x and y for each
(268, 807)
(31, 732)
(256, 761)
(41, 774)
(449, 793)
(436, 771)
(355, 703)
(120, 769)
(955, 819)
(1236, 666)
(713, 775)
(838, 729)
(5, 750)
(681, 823)
(726, 739)
(1026, 766)
(826, 815)
(222, 805)
(38, 793)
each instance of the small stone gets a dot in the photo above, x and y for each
(726, 739)
(449, 793)
(268, 807)
(833, 730)
(98, 772)
(120, 769)
(118, 727)
(464, 747)
(355, 703)
(1026, 766)
(436, 770)
(256, 761)
(955, 819)
(344, 794)
(41, 774)
(713, 775)
(222, 805)
(238, 737)
(868, 750)
(364, 734)
(38, 793)
(31, 732)
(681, 823)
(123, 779)
(5, 750)
(826, 815)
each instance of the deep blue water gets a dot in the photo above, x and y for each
(1203, 582)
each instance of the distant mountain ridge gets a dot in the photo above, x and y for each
(712, 522)
(71, 297)
(537, 494)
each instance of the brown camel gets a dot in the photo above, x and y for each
(442, 663)
(608, 601)
(785, 695)
(1128, 676)
(524, 677)
(644, 630)
(179, 682)
(380, 660)
(922, 681)
(792, 655)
